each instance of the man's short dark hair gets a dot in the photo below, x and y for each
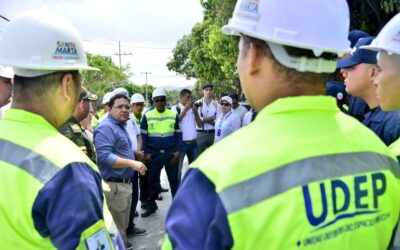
(184, 92)
(118, 96)
(234, 96)
(26, 89)
(289, 74)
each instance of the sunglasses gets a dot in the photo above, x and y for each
(226, 104)
(160, 100)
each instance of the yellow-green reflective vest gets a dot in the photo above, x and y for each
(395, 148)
(95, 120)
(31, 153)
(160, 124)
(304, 175)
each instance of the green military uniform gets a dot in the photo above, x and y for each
(73, 131)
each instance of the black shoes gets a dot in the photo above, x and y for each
(149, 210)
(163, 190)
(136, 231)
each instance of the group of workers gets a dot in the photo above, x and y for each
(283, 183)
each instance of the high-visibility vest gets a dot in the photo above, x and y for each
(31, 154)
(160, 124)
(395, 147)
(305, 176)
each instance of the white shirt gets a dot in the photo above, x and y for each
(225, 125)
(247, 118)
(188, 123)
(241, 111)
(4, 108)
(210, 110)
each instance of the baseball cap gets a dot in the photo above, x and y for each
(86, 95)
(355, 35)
(208, 85)
(227, 99)
(359, 55)
(6, 72)
(336, 89)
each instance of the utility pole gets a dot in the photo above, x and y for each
(146, 73)
(119, 54)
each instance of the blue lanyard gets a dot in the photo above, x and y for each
(224, 119)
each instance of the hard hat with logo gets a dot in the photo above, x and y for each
(137, 98)
(388, 38)
(158, 92)
(106, 98)
(39, 42)
(317, 25)
(6, 72)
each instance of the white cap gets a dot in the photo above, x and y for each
(137, 98)
(6, 72)
(227, 99)
(119, 91)
(106, 98)
(158, 92)
(40, 42)
(320, 26)
(388, 38)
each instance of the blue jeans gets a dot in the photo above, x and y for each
(189, 149)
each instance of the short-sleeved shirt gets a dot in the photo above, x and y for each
(73, 131)
(240, 111)
(225, 125)
(188, 123)
(208, 110)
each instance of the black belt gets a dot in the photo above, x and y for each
(127, 181)
(206, 131)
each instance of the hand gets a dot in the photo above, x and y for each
(147, 159)
(139, 166)
(195, 109)
(187, 106)
(139, 155)
(175, 157)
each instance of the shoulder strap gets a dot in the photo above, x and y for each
(178, 109)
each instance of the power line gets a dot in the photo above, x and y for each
(121, 54)
(127, 45)
(146, 73)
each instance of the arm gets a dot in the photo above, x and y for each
(178, 135)
(208, 224)
(143, 129)
(197, 117)
(62, 215)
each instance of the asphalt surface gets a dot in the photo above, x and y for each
(154, 224)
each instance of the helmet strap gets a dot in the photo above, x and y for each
(302, 64)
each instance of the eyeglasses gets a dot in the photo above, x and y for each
(160, 100)
(226, 104)
(122, 107)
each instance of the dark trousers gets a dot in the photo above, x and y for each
(135, 198)
(143, 185)
(158, 161)
(189, 149)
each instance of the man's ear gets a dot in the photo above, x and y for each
(254, 59)
(68, 90)
(374, 72)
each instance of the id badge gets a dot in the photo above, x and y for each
(219, 132)
(98, 241)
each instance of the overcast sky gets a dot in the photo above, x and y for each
(148, 30)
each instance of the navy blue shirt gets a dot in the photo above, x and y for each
(173, 143)
(357, 108)
(385, 124)
(112, 141)
(68, 204)
(197, 210)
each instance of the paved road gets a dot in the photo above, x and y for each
(154, 224)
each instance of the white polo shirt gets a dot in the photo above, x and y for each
(210, 110)
(188, 123)
(241, 111)
(226, 124)
(247, 118)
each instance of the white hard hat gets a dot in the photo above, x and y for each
(6, 72)
(137, 98)
(40, 42)
(317, 25)
(158, 92)
(106, 98)
(119, 91)
(388, 38)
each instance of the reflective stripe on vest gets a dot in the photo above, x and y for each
(301, 173)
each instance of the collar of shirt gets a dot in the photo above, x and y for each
(27, 117)
(299, 103)
(113, 120)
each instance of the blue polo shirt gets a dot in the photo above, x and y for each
(385, 124)
(112, 141)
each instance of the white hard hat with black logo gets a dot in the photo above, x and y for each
(39, 42)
